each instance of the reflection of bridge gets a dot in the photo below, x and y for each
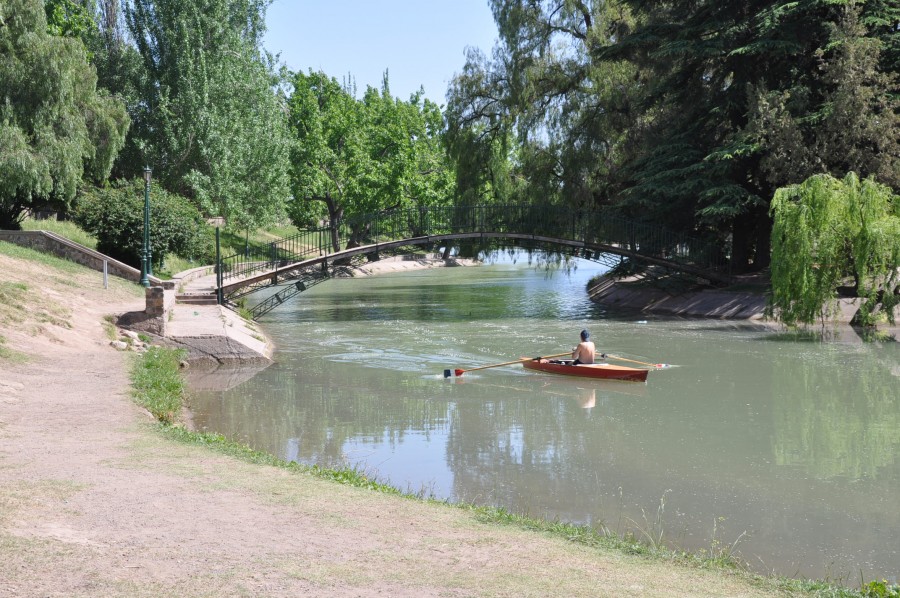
(298, 262)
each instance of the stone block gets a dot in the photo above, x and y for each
(156, 302)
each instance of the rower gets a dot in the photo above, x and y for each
(584, 352)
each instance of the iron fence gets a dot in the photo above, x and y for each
(591, 227)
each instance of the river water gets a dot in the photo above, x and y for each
(784, 447)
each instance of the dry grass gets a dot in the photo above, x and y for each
(38, 293)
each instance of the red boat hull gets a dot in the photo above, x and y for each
(603, 371)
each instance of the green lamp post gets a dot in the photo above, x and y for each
(146, 254)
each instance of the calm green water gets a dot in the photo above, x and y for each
(788, 446)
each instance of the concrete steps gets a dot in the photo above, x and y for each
(196, 298)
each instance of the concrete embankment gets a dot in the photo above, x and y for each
(182, 313)
(744, 304)
(706, 304)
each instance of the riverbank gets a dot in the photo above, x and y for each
(402, 263)
(95, 501)
(745, 300)
(223, 348)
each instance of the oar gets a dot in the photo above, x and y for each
(497, 365)
(653, 365)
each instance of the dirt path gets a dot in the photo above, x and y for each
(95, 502)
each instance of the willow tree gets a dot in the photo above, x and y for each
(834, 235)
(56, 127)
(544, 118)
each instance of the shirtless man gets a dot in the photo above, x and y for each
(584, 352)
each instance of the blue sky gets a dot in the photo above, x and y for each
(419, 42)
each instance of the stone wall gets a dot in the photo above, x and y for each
(47, 242)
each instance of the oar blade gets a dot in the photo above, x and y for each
(459, 372)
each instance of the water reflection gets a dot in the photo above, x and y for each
(833, 422)
(793, 442)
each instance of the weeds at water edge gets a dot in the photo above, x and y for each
(653, 531)
(157, 384)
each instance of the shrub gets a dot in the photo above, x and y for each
(116, 217)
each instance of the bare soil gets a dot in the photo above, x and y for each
(94, 501)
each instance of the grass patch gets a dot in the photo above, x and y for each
(109, 327)
(232, 242)
(12, 299)
(26, 253)
(237, 242)
(9, 355)
(174, 264)
(63, 228)
(243, 310)
(157, 384)
(19, 304)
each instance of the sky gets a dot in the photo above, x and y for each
(419, 42)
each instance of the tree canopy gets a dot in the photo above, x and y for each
(828, 231)
(690, 115)
(56, 126)
(208, 116)
(354, 157)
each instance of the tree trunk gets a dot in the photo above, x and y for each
(763, 255)
(335, 214)
(741, 233)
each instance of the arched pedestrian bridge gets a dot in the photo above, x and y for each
(295, 263)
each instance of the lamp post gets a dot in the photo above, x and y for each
(146, 255)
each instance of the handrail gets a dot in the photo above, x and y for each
(591, 227)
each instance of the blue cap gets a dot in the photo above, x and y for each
(585, 334)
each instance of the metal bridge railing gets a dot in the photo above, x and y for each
(587, 226)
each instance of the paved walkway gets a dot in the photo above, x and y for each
(201, 284)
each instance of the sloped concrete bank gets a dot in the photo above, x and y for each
(703, 304)
(634, 295)
(214, 336)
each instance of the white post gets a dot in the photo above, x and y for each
(105, 274)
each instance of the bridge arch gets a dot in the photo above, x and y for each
(303, 260)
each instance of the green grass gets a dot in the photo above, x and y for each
(66, 229)
(9, 355)
(109, 327)
(25, 253)
(12, 294)
(232, 242)
(157, 384)
(172, 265)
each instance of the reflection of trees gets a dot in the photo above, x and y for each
(278, 404)
(512, 453)
(840, 420)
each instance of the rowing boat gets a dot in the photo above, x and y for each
(595, 370)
